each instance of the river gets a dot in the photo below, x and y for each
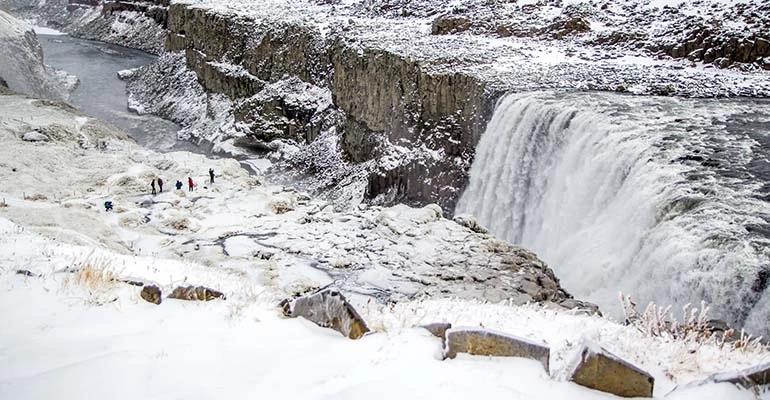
(100, 94)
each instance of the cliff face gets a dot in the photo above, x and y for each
(139, 25)
(386, 99)
(21, 62)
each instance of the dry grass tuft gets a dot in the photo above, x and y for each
(695, 326)
(95, 275)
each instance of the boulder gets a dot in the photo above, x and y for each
(596, 368)
(151, 294)
(483, 342)
(438, 329)
(195, 293)
(446, 24)
(34, 136)
(330, 309)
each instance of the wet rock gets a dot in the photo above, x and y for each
(470, 222)
(447, 24)
(195, 293)
(34, 136)
(151, 294)
(596, 368)
(330, 309)
(487, 343)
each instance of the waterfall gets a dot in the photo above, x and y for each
(595, 184)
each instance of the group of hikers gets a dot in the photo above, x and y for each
(190, 183)
(190, 186)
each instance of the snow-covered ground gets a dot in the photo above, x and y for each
(73, 330)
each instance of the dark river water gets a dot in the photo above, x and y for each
(102, 95)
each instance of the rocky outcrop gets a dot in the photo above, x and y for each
(483, 342)
(599, 369)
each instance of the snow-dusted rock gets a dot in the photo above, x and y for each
(447, 24)
(195, 293)
(470, 222)
(599, 369)
(438, 329)
(35, 136)
(152, 294)
(484, 342)
(330, 309)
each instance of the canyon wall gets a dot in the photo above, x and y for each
(386, 99)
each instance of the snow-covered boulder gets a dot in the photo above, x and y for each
(599, 369)
(484, 342)
(34, 136)
(470, 222)
(438, 329)
(195, 293)
(330, 309)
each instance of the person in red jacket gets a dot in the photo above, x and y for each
(190, 184)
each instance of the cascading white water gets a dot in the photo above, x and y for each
(599, 196)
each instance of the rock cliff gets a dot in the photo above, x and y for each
(21, 62)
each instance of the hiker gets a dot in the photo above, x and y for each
(107, 205)
(160, 184)
(152, 184)
(190, 184)
(178, 185)
(211, 174)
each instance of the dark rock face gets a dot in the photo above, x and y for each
(487, 343)
(330, 309)
(195, 293)
(601, 370)
(151, 294)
